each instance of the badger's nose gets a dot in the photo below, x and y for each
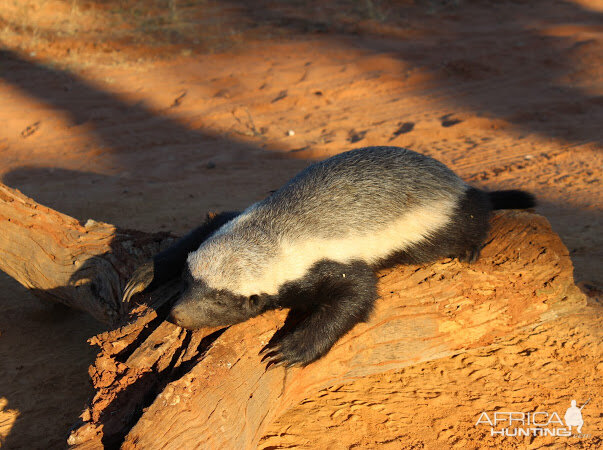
(173, 317)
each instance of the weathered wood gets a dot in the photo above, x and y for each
(206, 390)
(83, 265)
(161, 386)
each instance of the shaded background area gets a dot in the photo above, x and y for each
(147, 114)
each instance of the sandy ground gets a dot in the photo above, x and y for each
(149, 118)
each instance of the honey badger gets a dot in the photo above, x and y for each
(313, 246)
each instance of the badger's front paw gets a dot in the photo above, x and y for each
(139, 281)
(293, 349)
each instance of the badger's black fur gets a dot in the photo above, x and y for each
(313, 246)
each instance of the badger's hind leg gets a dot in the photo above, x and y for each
(462, 237)
(469, 225)
(325, 305)
(465, 233)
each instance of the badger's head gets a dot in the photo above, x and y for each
(218, 286)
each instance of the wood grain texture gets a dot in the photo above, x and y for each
(159, 386)
(81, 264)
(220, 396)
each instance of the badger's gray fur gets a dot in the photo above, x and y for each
(313, 245)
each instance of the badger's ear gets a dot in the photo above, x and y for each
(253, 300)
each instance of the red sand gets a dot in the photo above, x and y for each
(150, 119)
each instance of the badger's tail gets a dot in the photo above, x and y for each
(512, 199)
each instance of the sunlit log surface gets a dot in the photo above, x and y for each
(158, 386)
(161, 386)
(81, 264)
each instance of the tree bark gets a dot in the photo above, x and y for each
(161, 386)
(83, 265)
(228, 398)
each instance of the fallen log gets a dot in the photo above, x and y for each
(83, 265)
(157, 385)
(217, 394)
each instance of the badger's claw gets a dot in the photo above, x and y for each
(286, 352)
(274, 359)
(269, 356)
(273, 356)
(139, 281)
(278, 363)
(470, 255)
(264, 350)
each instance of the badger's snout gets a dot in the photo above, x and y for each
(197, 309)
(177, 317)
(180, 314)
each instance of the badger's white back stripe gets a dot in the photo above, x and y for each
(292, 260)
